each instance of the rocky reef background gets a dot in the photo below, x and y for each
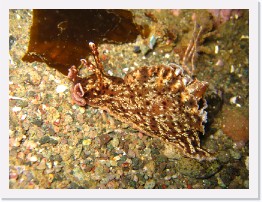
(56, 144)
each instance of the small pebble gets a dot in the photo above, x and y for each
(113, 163)
(57, 81)
(220, 63)
(167, 55)
(16, 109)
(48, 171)
(42, 164)
(137, 49)
(235, 154)
(233, 100)
(18, 17)
(135, 178)
(116, 158)
(51, 177)
(136, 64)
(131, 153)
(30, 144)
(150, 184)
(168, 177)
(105, 51)
(13, 176)
(21, 155)
(87, 142)
(150, 168)
(23, 117)
(44, 140)
(147, 151)
(247, 163)
(220, 182)
(170, 152)
(113, 184)
(49, 165)
(216, 49)
(61, 88)
(82, 110)
(246, 184)
(223, 156)
(110, 72)
(33, 158)
(152, 42)
(244, 37)
(125, 69)
(78, 151)
(115, 142)
(14, 142)
(104, 139)
(232, 69)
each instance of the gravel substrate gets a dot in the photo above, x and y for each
(56, 144)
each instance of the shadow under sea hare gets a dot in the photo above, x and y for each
(59, 37)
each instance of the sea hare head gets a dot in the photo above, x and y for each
(160, 101)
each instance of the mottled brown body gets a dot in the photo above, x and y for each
(160, 101)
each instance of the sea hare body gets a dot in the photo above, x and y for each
(160, 101)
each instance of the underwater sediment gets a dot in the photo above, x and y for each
(54, 143)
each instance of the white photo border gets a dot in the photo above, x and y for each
(254, 140)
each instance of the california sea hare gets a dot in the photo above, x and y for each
(160, 101)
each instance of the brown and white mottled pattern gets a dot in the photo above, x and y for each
(160, 101)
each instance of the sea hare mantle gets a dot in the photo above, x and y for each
(160, 101)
